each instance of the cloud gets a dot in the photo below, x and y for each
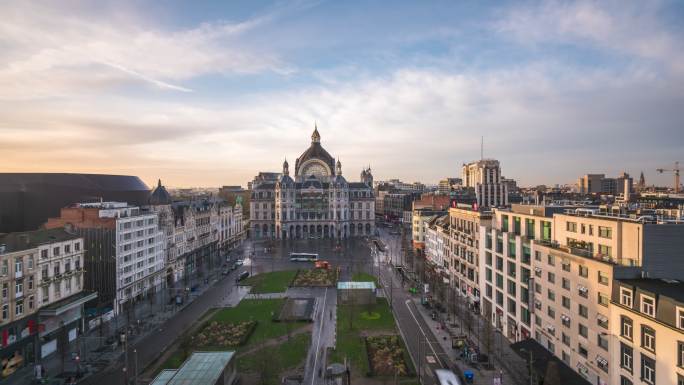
(68, 53)
(632, 28)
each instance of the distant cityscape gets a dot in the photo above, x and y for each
(568, 275)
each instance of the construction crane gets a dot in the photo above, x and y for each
(674, 170)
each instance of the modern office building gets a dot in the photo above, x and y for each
(599, 184)
(124, 250)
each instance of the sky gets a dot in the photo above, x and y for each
(210, 93)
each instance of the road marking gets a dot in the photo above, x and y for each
(318, 343)
(408, 301)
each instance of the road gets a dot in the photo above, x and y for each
(418, 336)
(265, 257)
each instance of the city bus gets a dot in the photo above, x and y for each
(303, 257)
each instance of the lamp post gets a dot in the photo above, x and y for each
(135, 375)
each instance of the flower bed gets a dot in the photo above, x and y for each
(223, 334)
(315, 278)
(386, 356)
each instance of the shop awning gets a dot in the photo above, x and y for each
(67, 303)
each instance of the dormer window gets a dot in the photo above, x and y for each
(626, 297)
(648, 305)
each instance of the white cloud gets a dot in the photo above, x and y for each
(633, 28)
(50, 52)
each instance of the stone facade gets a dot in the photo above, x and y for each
(317, 203)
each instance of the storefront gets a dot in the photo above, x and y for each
(62, 322)
(18, 342)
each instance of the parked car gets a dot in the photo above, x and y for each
(240, 262)
(226, 271)
(242, 276)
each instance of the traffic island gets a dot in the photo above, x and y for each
(368, 341)
(315, 278)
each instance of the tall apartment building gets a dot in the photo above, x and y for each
(465, 235)
(484, 176)
(124, 250)
(506, 266)
(647, 332)
(41, 309)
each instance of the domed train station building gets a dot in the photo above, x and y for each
(317, 202)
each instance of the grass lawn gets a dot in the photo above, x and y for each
(287, 355)
(260, 310)
(273, 282)
(349, 341)
(365, 277)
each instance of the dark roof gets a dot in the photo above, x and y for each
(315, 151)
(669, 288)
(265, 186)
(30, 239)
(358, 185)
(542, 357)
(160, 196)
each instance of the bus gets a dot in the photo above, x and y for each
(447, 377)
(303, 257)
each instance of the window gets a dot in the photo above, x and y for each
(603, 299)
(648, 373)
(5, 290)
(30, 282)
(626, 327)
(582, 350)
(626, 357)
(583, 271)
(44, 254)
(566, 284)
(625, 297)
(550, 312)
(571, 226)
(5, 267)
(648, 338)
(602, 341)
(583, 331)
(55, 251)
(605, 250)
(551, 277)
(680, 354)
(511, 288)
(551, 260)
(511, 269)
(680, 318)
(77, 246)
(566, 339)
(19, 308)
(605, 232)
(565, 265)
(30, 262)
(565, 301)
(602, 278)
(67, 249)
(583, 310)
(648, 305)
(552, 296)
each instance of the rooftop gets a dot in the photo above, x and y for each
(667, 287)
(202, 368)
(30, 239)
(355, 285)
(580, 251)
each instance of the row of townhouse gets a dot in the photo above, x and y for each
(549, 273)
(41, 305)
